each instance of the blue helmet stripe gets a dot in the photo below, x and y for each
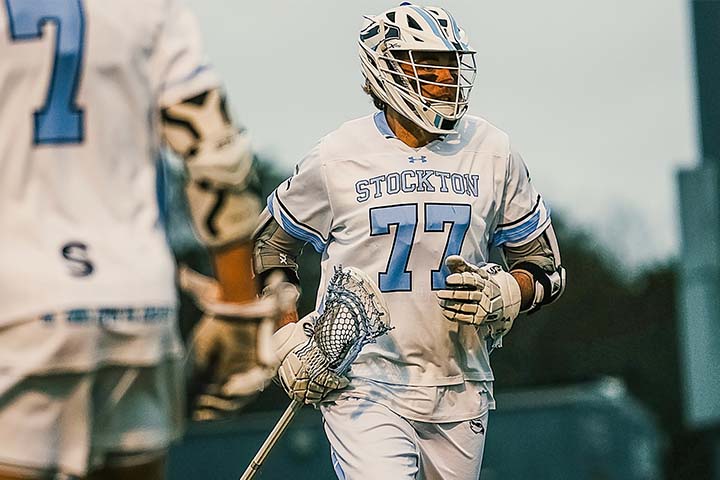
(456, 31)
(433, 25)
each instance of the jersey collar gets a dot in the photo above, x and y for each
(385, 130)
(382, 125)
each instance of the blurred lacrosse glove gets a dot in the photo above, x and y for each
(279, 277)
(304, 371)
(231, 346)
(480, 295)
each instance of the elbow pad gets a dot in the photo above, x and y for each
(548, 285)
(222, 187)
(275, 249)
(541, 260)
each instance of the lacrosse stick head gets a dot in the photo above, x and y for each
(353, 314)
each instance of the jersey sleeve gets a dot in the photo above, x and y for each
(301, 204)
(180, 69)
(523, 215)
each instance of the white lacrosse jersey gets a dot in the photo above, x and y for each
(365, 199)
(82, 83)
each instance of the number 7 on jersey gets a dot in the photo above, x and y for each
(59, 120)
(397, 278)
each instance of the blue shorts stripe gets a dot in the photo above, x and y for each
(336, 465)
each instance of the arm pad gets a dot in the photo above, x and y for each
(275, 249)
(540, 258)
(221, 192)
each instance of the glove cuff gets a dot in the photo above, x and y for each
(509, 290)
(287, 338)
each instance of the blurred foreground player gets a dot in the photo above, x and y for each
(90, 357)
(415, 195)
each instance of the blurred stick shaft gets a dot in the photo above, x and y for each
(271, 440)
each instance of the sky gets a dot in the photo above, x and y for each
(599, 97)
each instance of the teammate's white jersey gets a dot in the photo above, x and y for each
(81, 86)
(365, 199)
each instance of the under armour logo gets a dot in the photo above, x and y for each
(421, 159)
(283, 259)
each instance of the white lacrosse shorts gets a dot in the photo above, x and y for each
(70, 423)
(368, 440)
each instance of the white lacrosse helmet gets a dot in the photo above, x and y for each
(389, 40)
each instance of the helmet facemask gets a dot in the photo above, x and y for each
(435, 85)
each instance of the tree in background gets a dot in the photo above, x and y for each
(606, 323)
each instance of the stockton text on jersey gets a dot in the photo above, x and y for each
(409, 181)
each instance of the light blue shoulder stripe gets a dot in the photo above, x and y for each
(295, 229)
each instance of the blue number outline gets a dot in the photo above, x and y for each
(396, 277)
(455, 238)
(53, 127)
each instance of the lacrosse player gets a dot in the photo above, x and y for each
(415, 196)
(90, 356)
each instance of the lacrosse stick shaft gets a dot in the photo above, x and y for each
(271, 440)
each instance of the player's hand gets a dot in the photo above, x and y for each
(231, 346)
(304, 373)
(304, 382)
(480, 295)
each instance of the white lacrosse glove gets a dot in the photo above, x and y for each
(317, 351)
(304, 371)
(231, 346)
(480, 295)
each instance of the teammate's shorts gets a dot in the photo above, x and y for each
(71, 423)
(368, 440)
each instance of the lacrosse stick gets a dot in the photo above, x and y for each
(352, 315)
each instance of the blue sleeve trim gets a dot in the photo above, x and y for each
(519, 233)
(292, 226)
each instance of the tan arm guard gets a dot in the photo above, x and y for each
(219, 160)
